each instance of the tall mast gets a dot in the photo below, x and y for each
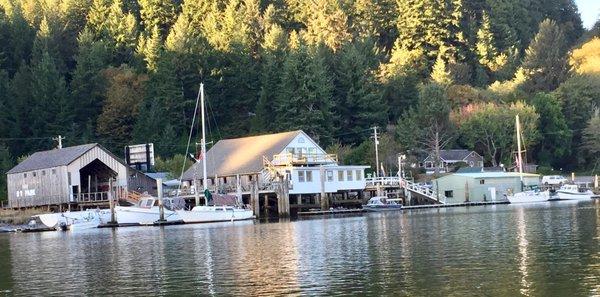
(203, 142)
(519, 158)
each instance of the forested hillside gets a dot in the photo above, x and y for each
(428, 72)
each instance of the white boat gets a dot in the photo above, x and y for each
(207, 213)
(382, 203)
(70, 220)
(573, 192)
(147, 211)
(529, 197)
(534, 195)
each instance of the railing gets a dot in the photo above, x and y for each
(395, 181)
(288, 159)
(91, 197)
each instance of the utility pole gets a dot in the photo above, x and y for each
(59, 139)
(376, 139)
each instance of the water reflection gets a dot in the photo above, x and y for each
(523, 257)
(503, 250)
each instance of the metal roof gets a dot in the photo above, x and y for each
(52, 158)
(495, 174)
(453, 155)
(230, 157)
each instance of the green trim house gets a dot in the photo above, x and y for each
(482, 186)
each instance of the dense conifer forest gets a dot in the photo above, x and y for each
(430, 73)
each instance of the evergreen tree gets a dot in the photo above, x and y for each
(555, 142)
(124, 93)
(358, 102)
(326, 23)
(545, 63)
(157, 13)
(305, 98)
(5, 125)
(591, 140)
(429, 25)
(88, 83)
(53, 108)
(400, 78)
(373, 19)
(150, 48)
(20, 38)
(440, 73)
(122, 31)
(6, 164)
(273, 53)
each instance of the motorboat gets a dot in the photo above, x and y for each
(574, 192)
(207, 214)
(147, 211)
(382, 203)
(529, 196)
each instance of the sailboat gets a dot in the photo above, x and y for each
(533, 195)
(210, 213)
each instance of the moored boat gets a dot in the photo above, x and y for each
(147, 211)
(529, 197)
(382, 203)
(574, 192)
(206, 214)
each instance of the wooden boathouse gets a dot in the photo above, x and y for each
(278, 174)
(76, 176)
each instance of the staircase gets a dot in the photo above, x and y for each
(423, 191)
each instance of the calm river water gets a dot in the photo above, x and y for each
(550, 249)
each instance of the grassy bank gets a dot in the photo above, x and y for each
(18, 217)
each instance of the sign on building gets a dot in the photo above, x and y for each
(140, 156)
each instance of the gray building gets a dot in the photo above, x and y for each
(73, 175)
(449, 158)
(482, 186)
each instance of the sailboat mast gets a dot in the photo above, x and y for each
(203, 141)
(519, 158)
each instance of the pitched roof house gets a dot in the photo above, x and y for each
(451, 157)
(234, 163)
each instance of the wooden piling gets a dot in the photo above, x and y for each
(161, 207)
(111, 203)
(323, 197)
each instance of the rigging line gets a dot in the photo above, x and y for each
(187, 149)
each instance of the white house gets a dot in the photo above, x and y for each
(233, 164)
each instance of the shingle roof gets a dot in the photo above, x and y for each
(241, 155)
(52, 158)
(448, 155)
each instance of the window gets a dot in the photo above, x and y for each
(350, 175)
(301, 140)
(43, 172)
(329, 175)
(53, 171)
(309, 176)
(449, 194)
(358, 174)
(340, 175)
(471, 163)
(34, 174)
(482, 182)
(301, 176)
(312, 151)
(290, 150)
(25, 175)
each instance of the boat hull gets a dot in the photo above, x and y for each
(211, 215)
(142, 216)
(527, 197)
(574, 196)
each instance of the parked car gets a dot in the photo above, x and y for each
(554, 180)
